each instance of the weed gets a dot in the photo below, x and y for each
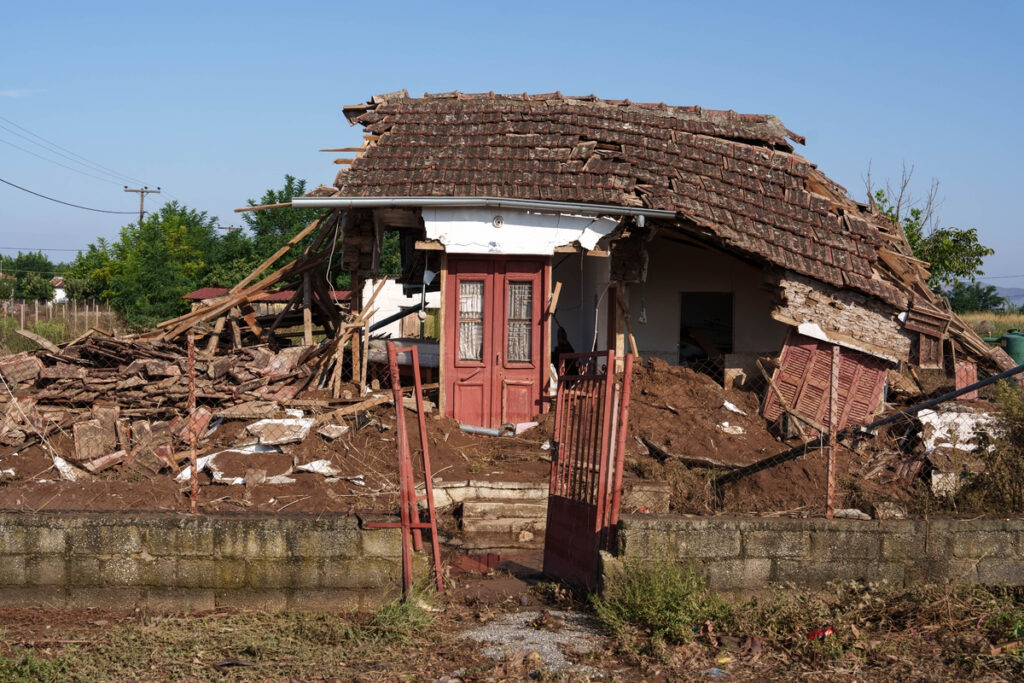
(24, 665)
(665, 601)
(1000, 488)
(398, 621)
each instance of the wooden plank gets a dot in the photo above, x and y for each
(307, 314)
(553, 301)
(263, 207)
(299, 236)
(218, 327)
(287, 307)
(344, 149)
(344, 162)
(688, 460)
(249, 316)
(428, 245)
(42, 341)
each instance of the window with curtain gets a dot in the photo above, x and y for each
(471, 320)
(520, 317)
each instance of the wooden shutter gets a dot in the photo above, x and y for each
(804, 378)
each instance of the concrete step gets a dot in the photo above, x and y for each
(501, 509)
(498, 543)
(449, 493)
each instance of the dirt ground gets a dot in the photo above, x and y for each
(502, 625)
(677, 417)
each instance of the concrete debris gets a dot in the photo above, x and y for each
(69, 471)
(272, 432)
(953, 427)
(331, 432)
(850, 513)
(735, 430)
(888, 510)
(323, 467)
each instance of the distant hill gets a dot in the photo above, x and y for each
(1015, 295)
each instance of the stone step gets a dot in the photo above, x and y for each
(501, 509)
(498, 543)
(449, 493)
(510, 525)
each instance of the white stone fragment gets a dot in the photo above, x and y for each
(272, 432)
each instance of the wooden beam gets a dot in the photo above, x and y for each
(249, 316)
(344, 149)
(345, 161)
(307, 314)
(553, 301)
(263, 207)
(429, 245)
(279, 253)
(218, 327)
(42, 341)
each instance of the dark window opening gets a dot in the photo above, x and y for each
(705, 331)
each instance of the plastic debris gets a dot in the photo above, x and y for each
(820, 633)
(332, 431)
(732, 406)
(715, 672)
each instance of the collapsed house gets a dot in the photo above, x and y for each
(553, 223)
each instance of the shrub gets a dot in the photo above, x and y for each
(1000, 488)
(660, 599)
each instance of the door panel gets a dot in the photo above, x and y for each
(520, 330)
(495, 361)
(518, 400)
(468, 375)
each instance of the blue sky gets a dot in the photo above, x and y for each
(216, 101)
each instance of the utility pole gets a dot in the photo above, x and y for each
(143, 191)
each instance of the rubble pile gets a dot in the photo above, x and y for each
(103, 401)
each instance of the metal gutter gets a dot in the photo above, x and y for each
(495, 202)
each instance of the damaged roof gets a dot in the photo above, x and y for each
(733, 176)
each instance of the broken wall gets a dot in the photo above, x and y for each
(675, 268)
(845, 317)
(583, 303)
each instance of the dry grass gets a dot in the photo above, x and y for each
(993, 323)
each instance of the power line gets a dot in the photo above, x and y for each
(55, 146)
(77, 206)
(32, 250)
(57, 163)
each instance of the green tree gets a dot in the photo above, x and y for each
(953, 253)
(33, 271)
(88, 276)
(271, 228)
(153, 264)
(34, 287)
(975, 296)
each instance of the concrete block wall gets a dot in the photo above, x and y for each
(750, 554)
(177, 562)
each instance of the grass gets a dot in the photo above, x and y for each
(657, 610)
(650, 604)
(63, 327)
(246, 646)
(994, 323)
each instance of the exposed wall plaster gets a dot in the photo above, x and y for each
(842, 317)
(475, 230)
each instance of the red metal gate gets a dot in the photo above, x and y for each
(591, 415)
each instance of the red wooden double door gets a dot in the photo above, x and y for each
(495, 355)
